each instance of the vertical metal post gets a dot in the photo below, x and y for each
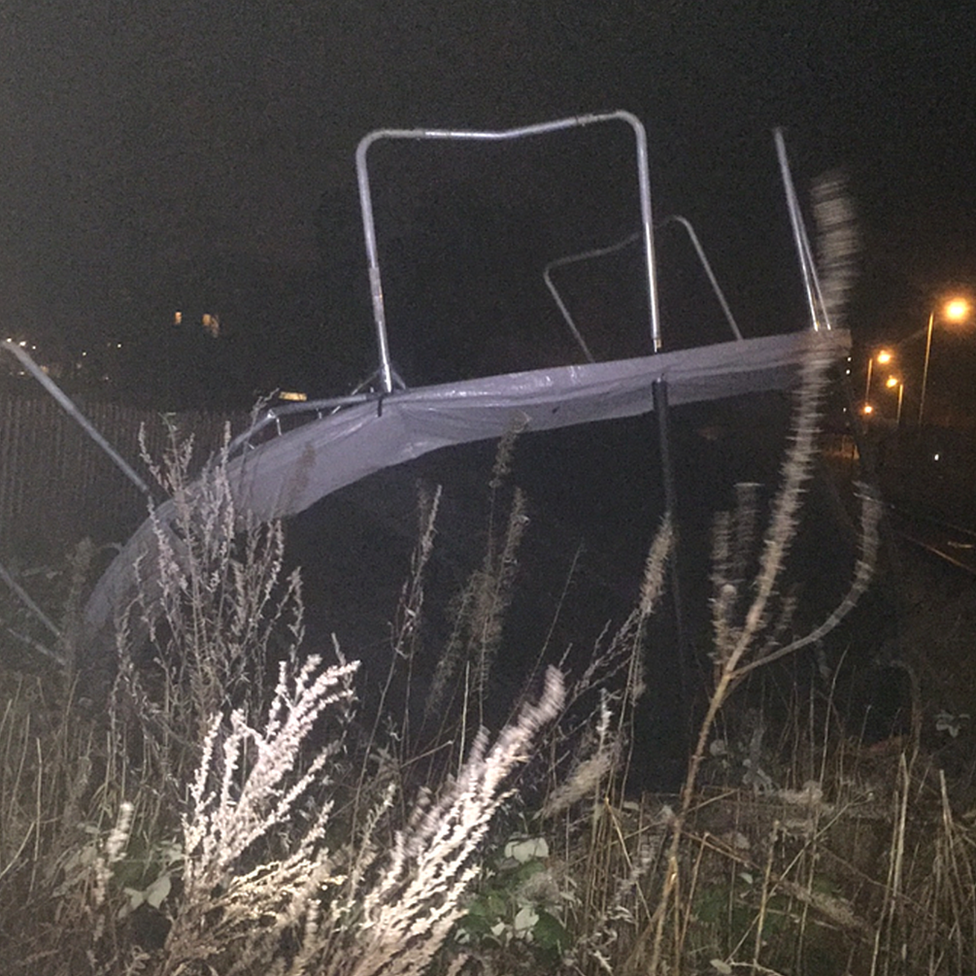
(925, 369)
(867, 385)
(647, 224)
(372, 257)
(659, 393)
(818, 314)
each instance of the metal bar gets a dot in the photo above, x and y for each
(25, 598)
(925, 368)
(37, 646)
(596, 252)
(369, 227)
(647, 225)
(599, 252)
(274, 414)
(700, 251)
(68, 405)
(818, 315)
(561, 305)
(659, 394)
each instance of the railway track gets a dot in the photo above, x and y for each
(952, 544)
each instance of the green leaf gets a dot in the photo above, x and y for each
(525, 871)
(496, 904)
(550, 933)
(156, 893)
(476, 927)
(527, 849)
(477, 909)
(525, 920)
(136, 898)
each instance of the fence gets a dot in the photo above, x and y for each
(57, 486)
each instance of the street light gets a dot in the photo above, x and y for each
(883, 357)
(955, 310)
(891, 383)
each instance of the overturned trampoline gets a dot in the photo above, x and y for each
(297, 454)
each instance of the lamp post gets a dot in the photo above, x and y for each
(891, 383)
(954, 311)
(883, 358)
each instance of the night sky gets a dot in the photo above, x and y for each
(199, 157)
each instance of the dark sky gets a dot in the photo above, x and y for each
(160, 155)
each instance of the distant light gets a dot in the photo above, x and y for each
(891, 382)
(884, 357)
(957, 309)
(867, 408)
(936, 456)
(297, 397)
(22, 343)
(177, 318)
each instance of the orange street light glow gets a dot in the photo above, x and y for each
(891, 382)
(956, 310)
(867, 409)
(884, 357)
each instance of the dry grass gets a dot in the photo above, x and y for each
(218, 821)
(218, 809)
(267, 840)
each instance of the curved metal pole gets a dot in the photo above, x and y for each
(599, 252)
(700, 251)
(596, 252)
(577, 121)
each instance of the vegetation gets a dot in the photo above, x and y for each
(235, 811)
